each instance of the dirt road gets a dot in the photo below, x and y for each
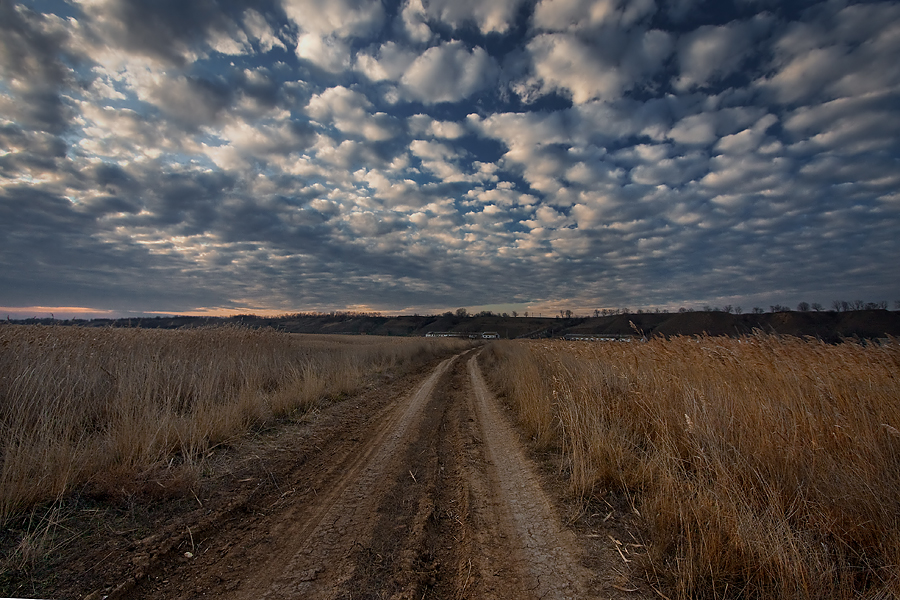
(426, 495)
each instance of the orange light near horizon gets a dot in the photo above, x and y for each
(82, 312)
(223, 312)
(27, 312)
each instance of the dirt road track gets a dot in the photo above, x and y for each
(545, 552)
(429, 495)
(315, 558)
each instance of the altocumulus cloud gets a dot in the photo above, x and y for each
(408, 156)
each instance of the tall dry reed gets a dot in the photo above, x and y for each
(87, 405)
(762, 467)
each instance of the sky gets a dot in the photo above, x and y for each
(415, 156)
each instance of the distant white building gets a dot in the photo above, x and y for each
(485, 335)
(598, 337)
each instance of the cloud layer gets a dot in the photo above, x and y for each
(298, 155)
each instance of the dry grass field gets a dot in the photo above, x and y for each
(106, 407)
(758, 467)
(755, 467)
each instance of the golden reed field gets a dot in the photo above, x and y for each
(99, 407)
(755, 467)
(758, 467)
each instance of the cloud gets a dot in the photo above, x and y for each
(502, 195)
(575, 15)
(439, 159)
(849, 125)
(446, 73)
(565, 63)
(330, 53)
(368, 224)
(599, 120)
(327, 27)
(341, 18)
(866, 175)
(71, 251)
(535, 146)
(488, 15)
(671, 172)
(424, 125)
(31, 47)
(230, 43)
(259, 29)
(33, 56)
(174, 33)
(678, 10)
(349, 112)
(746, 173)
(449, 73)
(390, 193)
(839, 53)
(389, 63)
(254, 143)
(750, 139)
(432, 150)
(602, 153)
(125, 134)
(257, 93)
(414, 21)
(29, 154)
(714, 52)
(192, 101)
(705, 128)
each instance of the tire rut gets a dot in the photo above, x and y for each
(545, 557)
(341, 518)
(431, 497)
(466, 517)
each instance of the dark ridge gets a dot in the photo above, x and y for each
(829, 326)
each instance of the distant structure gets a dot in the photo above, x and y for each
(599, 337)
(474, 335)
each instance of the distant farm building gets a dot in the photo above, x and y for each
(474, 335)
(599, 337)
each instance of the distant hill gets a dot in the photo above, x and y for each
(826, 325)
(829, 326)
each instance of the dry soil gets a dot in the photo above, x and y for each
(419, 487)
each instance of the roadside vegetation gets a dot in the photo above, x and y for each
(758, 467)
(103, 408)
